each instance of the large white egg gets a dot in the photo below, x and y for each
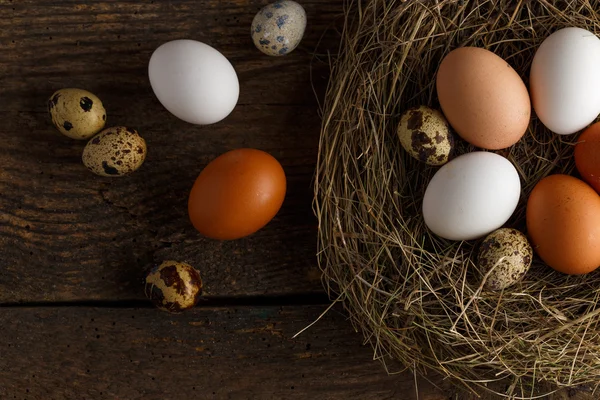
(193, 81)
(564, 80)
(471, 196)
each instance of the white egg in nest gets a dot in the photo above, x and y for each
(564, 80)
(471, 196)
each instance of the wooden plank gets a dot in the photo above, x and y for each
(235, 353)
(243, 353)
(66, 235)
(105, 46)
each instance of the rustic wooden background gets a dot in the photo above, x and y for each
(74, 323)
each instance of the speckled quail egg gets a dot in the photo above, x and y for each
(517, 252)
(278, 28)
(173, 286)
(116, 151)
(77, 113)
(425, 134)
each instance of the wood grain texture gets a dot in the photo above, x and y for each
(222, 353)
(67, 235)
(243, 353)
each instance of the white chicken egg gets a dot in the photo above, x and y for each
(471, 196)
(193, 81)
(564, 80)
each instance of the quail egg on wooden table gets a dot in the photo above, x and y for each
(513, 248)
(425, 134)
(278, 28)
(114, 152)
(76, 113)
(173, 286)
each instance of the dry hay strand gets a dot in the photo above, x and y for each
(416, 297)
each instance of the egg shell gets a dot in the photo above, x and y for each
(76, 113)
(513, 248)
(587, 156)
(277, 28)
(471, 196)
(237, 194)
(173, 286)
(563, 222)
(193, 81)
(425, 135)
(564, 80)
(115, 152)
(483, 98)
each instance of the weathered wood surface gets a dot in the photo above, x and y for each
(234, 353)
(222, 353)
(66, 235)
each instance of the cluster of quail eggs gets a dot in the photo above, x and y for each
(118, 151)
(112, 152)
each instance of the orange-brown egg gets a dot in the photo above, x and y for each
(587, 156)
(237, 194)
(563, 222)
(483, 98)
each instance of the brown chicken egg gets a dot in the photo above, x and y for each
(563, 222)
(483, 98)
(587, 156)
(237, 194)
(173, 286)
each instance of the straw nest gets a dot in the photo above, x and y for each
(417, 297)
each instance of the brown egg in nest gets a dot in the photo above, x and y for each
(483, 97)
(425, 135)
(173, 286)
(516, 253)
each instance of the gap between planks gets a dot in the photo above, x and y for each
(300, 299)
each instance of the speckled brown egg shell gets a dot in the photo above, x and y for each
(173, 286)
(514, 246)
(76, 113)
(278, 28)
(425, 135)
(114, 152)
